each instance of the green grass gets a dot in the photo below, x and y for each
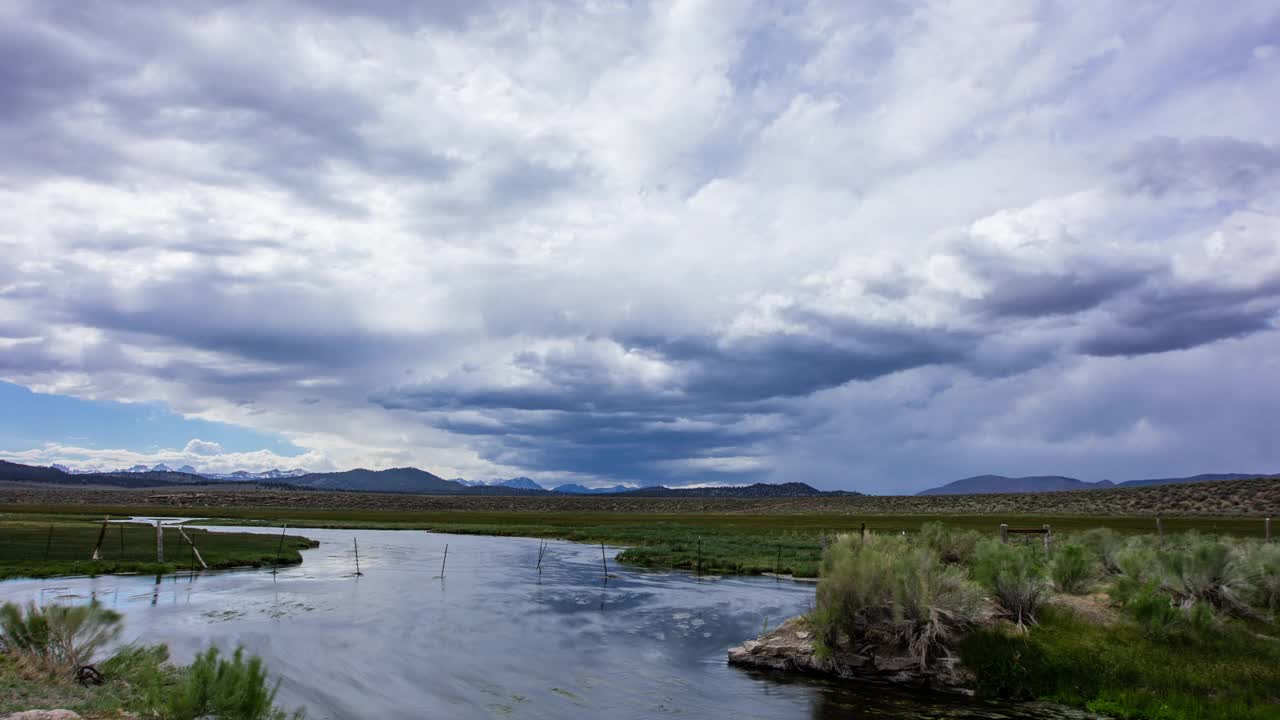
(1232, 673)
(49, 546)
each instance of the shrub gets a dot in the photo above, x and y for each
(1015, 577)
(234, 689)
(58, 638)
(951, 546)
(1104, 543)
(890, 593)
(1154, 611)
(1262, 564)
(1205, 570)
(1072, 569)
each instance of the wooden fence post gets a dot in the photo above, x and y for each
(1048, 539)
(605, 563)
(195, 553)
(862, 534)
(1266, 533)
(48, 542)
(159, 542)
(355, 542)
(444, 560)
(1004, 533)
(1160, 528)
(777, 565)
(275, 564)
(102, 535)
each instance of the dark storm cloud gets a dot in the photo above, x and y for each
(1183, 318)
(578, 416)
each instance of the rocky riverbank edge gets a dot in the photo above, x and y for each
(791, 647)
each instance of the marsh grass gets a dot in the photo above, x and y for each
(1121, 671)
(63, 546)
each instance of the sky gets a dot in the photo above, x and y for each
(872, 246)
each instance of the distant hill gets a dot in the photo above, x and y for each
(1000, 484)
(406, 479)
(576, 489)
(1207, 477)
(990, 484)
(758, 490)
(520, 483)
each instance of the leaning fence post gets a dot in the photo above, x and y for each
(605, 563)
(275, 565)
(444, 560)
(356, 543)
(1004, 533)
(102, 535)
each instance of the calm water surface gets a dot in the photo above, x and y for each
(491, 640)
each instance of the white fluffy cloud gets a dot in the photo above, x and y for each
(630, 241)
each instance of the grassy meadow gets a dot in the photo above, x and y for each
(51, 545)
(717, 542)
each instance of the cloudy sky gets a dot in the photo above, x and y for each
(875, 246)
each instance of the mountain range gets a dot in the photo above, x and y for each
(415, 480)
(987, 484)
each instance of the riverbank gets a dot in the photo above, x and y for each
(58, 545)
(755, 539)
(1142, 628)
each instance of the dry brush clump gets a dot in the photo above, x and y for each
(1015, 576)
(889, 592)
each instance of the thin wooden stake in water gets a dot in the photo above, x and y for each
(605, 563)
(444, 560)
(275, 566)
(777, 565)
(48, 542)
(357, 546)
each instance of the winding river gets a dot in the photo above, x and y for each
(493, 638)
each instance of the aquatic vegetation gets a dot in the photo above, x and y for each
(1015, 576)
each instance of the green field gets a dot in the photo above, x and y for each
(50, 545)
(718, 543)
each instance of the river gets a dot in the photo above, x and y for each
(494, 638)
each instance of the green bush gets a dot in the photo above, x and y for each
(57, 638)
(1205, 570)
(1262, 565)
(951, 546)
(1072, 569)
(1103, 543)
(1015, 577)
(888, 592)
(234, 689)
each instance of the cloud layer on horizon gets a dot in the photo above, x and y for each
(874, 248)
